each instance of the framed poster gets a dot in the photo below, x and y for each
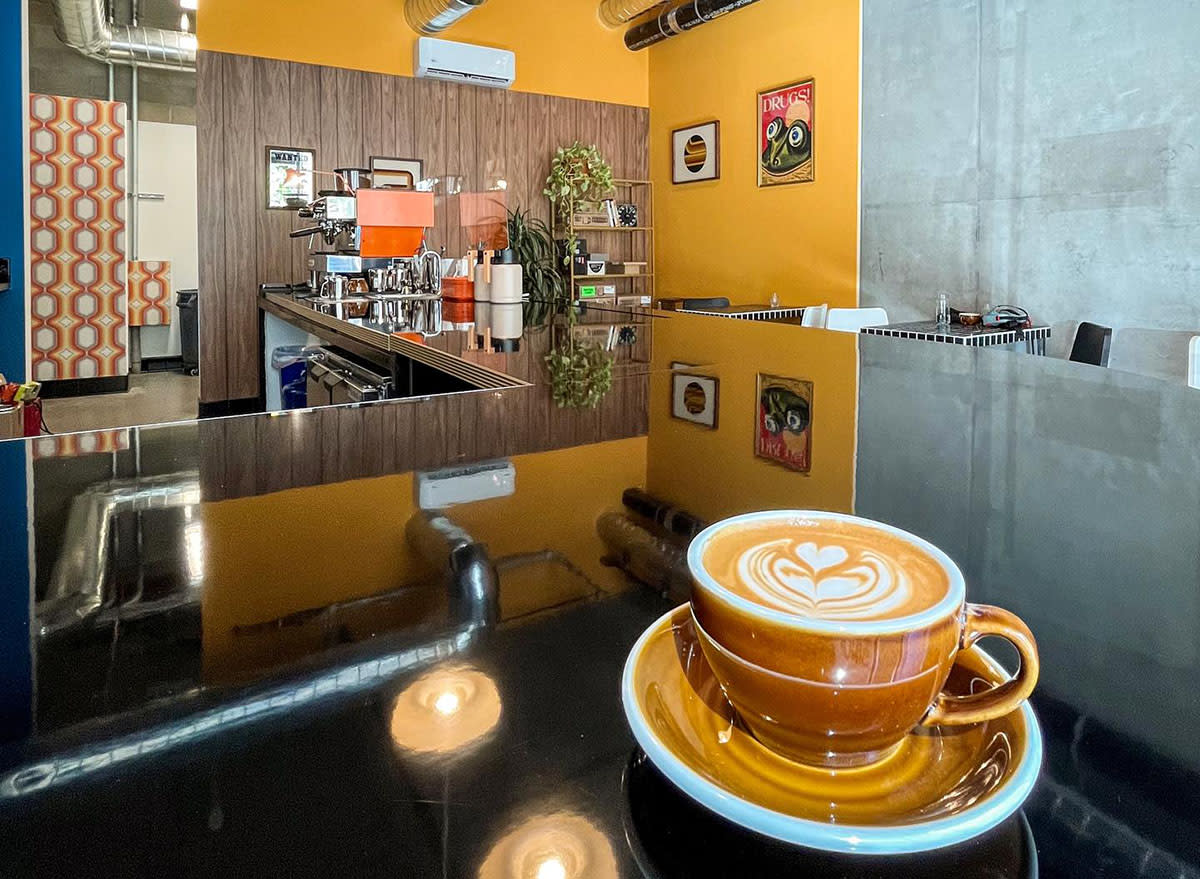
(289, 178)
(786, 118)
(695, 398)
(696, 153)
(783, 428)
(387, 171)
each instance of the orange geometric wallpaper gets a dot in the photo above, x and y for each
(74, 444)
(149, 293)
(77, 202)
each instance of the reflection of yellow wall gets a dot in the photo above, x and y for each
(559, 496)
(279, 554)
(714, 473)
(729, 237)
(562, 49)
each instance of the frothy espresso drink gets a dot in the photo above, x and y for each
(833, 636)
(825, 570)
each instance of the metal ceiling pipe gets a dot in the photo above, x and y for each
(614, 13)
(678, 19)
(76, 588)
(434, 16)
(82, 25)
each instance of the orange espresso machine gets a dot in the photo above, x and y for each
(371, 242)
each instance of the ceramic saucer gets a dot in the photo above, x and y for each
(942, 786)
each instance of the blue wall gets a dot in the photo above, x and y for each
(16, 667)
(12, 197)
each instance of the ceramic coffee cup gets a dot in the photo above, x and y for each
(833, 636)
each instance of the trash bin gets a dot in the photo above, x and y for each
(292, 364)
(189, 330)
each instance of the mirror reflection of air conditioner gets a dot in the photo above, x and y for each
(464, 62)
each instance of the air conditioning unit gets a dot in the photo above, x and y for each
(464, 62)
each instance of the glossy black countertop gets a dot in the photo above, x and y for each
(219, 682)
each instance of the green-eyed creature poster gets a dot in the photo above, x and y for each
(786, 118)
(783, 432)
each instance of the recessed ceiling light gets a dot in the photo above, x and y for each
(187, 4)
(185, 23)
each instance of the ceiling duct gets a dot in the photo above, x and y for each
(83, 26)
(434, 16)
(680, 18)
(614, 13)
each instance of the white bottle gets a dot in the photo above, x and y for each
(508, 279)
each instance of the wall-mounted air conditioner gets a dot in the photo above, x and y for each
(463, 62)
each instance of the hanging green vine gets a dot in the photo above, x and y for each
(578, 175)
(580, 373)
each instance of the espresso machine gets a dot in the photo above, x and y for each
(368, 258)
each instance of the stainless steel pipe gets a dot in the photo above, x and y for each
(614, 13)
(434, 16)
(83, 26)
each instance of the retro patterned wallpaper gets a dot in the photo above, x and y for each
(77, 201)
(149, 293)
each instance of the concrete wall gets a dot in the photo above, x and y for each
(1048, 483)
(1041, 154)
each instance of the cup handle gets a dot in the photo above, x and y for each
(981, 620)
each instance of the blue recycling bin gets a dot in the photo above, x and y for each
(293, 375)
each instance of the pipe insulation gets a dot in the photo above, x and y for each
(84, 26)
(434, 16)
(678, 19)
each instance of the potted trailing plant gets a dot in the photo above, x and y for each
(578, 175)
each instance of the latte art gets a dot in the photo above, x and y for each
(830, 571)
(825, 582)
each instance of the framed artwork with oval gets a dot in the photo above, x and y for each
(786, 118)
(694, 398)
(783, 428)
(696, 153)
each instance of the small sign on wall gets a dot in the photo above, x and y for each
(289, 178)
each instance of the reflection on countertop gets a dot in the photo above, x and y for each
(299, 669)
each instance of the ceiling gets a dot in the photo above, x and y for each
(154, 13)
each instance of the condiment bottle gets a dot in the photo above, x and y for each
(483, 287)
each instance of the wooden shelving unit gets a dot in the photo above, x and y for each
(637, 242)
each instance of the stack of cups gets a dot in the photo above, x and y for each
(834, 636)
(483, 297)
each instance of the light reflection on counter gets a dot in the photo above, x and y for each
(559, 845)
(445, 711)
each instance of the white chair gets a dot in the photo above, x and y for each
(1194, 362)
(814, 315)
(851, 320)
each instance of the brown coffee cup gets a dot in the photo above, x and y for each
(833, 636)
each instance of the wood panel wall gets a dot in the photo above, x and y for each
(243, 457)
(246, 104)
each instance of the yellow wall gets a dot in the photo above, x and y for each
(562, 49)
(255, 574)
(714, 473)
(728, 237)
